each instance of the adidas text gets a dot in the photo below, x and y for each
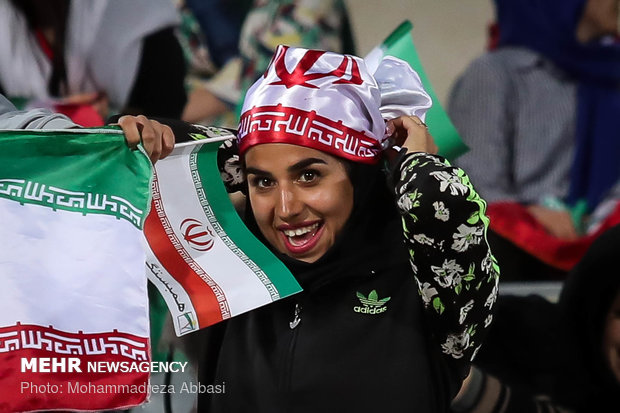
(369, 310)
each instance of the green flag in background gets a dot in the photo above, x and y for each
(400, 44)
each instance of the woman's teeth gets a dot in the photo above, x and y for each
(300, 231)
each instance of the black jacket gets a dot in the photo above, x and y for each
(361, 338)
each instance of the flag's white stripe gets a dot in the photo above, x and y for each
(192, 144)
(177, 299)
(95, 262)
(208, 210)
(244, 291)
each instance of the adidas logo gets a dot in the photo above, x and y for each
(371, 304)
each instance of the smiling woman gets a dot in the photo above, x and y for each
(398, 278)
(301, 203)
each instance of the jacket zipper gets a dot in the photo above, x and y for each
(288, 365)
(296, 317)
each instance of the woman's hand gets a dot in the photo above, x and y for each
(411, 133)
(157, 139)
(557, 222)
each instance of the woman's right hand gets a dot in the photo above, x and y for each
(156, 138)
(411, 133)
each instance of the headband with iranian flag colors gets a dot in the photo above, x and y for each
(329, 102)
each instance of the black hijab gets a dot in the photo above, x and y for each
(586, 298)
(371, 239)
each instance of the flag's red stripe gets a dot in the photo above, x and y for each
(68, 391)
(201, 294)
(87, 389)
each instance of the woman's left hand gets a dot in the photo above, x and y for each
(411, 133)
(157, 139)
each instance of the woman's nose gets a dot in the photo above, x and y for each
(289, 204)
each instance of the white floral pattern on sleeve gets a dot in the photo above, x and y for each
(441, 212)
(456, 273)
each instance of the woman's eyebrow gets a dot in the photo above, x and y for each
(304, 163)
(293, 168)
(255, 171)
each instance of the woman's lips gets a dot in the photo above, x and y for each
(301, 238)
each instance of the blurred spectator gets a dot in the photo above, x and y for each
(316, 24)
(156, 139)
(11, 118)
(88, 58)
(219, 23)
(540, 355)
(540, 115)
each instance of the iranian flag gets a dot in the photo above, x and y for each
(83, 218)
(204, 261)
(73, 301)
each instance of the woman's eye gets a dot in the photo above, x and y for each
(261, 182)
(308, 176)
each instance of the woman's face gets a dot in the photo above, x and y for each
(599, 18)
(301, 197)
(611, 338)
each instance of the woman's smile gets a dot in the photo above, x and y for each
(301, 238)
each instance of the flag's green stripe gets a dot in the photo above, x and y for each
(215, 192)
(82, 170)
(400, 44)
(402, 30)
